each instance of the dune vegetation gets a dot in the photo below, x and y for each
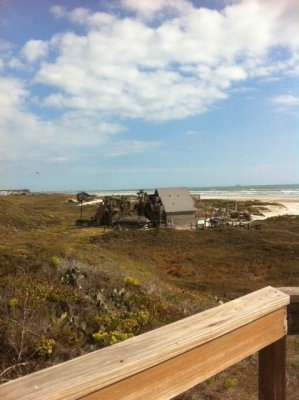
(68, 290)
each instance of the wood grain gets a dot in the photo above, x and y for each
(293, 309)
(293, 292)
(293, 319)
(272, 371)
(175, 376)
(78, 377)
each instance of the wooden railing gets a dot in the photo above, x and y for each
(167, 361)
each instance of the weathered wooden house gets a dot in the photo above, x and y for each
(170, 207)
(83, 196)
(178, 206)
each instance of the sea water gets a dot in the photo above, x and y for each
(288, 192)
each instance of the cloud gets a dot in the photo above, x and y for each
(286, 100)
(12, 97)
(58, 11)
(29, 138)
(35, 49)
(148, 8)
(16, 63)
(83, 16)
(176, 68)
(5, 51)
(148, 60)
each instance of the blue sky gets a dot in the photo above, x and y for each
(148, 93)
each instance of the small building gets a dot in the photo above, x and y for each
(178, 206)
(14, 192)
(83, 196)
(168, 206)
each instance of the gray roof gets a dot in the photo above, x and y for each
(176, 199)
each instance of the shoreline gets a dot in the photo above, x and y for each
(285, 206)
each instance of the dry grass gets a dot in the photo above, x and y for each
(180, 273)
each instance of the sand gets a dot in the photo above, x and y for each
(87, 203)
(284, 206)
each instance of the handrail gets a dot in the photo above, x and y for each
(169, 360)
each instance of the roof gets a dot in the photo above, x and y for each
(176, 200)
(83, 193)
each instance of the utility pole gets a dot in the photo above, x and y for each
(81, 208)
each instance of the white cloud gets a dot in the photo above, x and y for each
(35, 49)
(172, 61)
(149, 8)
(15, 63)
(26, 137)
(83, 16)
(58, 11)
(177, 68)
(5, 50)
(286, 100)
(12, 96)
(80, 15)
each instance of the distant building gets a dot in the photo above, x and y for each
(13, 192)
(170, 207)
(83, 196)
(178, 205)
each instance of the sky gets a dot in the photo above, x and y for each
(125, 94)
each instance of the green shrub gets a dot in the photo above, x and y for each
(209, 381)
(130, 281)
(13, 303)
(71, 275)
(45, 346)
(230, 383)
(55, 261)
(110, 338)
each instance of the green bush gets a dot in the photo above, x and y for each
(55, 261)
(110, 338)
(13, 303)
(230, 383)
(130, 281)
(45, 346)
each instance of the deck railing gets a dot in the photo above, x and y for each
(167, 361)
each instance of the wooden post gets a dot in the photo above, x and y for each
(293, 309)
(81, 209)
(272, 371)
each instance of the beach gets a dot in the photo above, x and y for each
(278, 199)
(289, 207)
(283, 206)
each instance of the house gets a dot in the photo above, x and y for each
(178, 206)
(168, 206)
(83, 196)
(13, 192)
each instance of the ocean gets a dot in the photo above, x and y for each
(287, 192)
